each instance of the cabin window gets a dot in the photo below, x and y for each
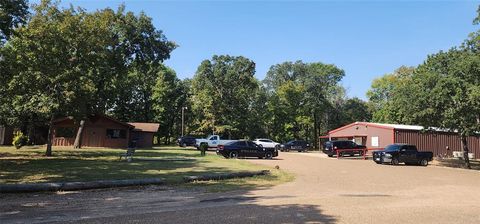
(65, 132)
(116, 133)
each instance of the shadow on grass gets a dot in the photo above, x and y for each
(61, 170)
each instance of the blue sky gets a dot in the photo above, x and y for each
(366, 39)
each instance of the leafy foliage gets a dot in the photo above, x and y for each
(168, 97)
(222, 91)
(68, 62)
(387, 92)
(13, 13)
(19, 139)
(442, 92)
(299, 97)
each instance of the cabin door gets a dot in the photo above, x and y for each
(94, 137)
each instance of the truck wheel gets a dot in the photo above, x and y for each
(184, 145)
(233, 155)
(395, 161)
(268, 155)
(424, 162)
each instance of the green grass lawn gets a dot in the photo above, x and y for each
(28, 165)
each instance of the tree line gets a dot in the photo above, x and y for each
(58, 62)
(442, 92)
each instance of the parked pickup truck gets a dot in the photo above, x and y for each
(213, 141)
(402, 153)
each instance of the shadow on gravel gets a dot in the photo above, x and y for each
(159, 205)
(293, 213)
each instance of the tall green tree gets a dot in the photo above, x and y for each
(146, 48)
(356, 109)
(68, 62)
(13, 13)
(384, 100)
(299, 95)
(128, 57)
(169, 96)
(46, 81)
(223, 89)
(446, 90)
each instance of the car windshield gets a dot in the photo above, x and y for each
(290, 142)
(231, 143)
(392, 148)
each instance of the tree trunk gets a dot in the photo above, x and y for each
(465, 151)
(31, 134)
(169, 133)
(146, 106)
(165, 141)
(49, 138)
(78, 139)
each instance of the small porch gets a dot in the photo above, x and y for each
(359, 139)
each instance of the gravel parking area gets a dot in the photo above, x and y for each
(325, 190)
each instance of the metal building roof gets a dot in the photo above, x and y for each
(392, 126)
(145, 127)
(398, 126)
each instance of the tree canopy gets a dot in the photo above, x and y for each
(13, 13)
(69, 62)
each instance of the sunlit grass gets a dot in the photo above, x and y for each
(29, 165)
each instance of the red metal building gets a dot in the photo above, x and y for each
(377, 136)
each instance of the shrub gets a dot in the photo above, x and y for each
(19, 139)
(203, 147)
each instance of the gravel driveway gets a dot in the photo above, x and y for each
(325, 190)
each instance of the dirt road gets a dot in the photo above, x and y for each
(325, 191)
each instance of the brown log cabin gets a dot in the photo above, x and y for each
(104, 131)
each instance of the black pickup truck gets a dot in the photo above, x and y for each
(402, 153)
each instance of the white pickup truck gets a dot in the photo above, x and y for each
(213, 141)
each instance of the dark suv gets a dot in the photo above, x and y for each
(330, 148)
(186, 141)
(295, 145)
